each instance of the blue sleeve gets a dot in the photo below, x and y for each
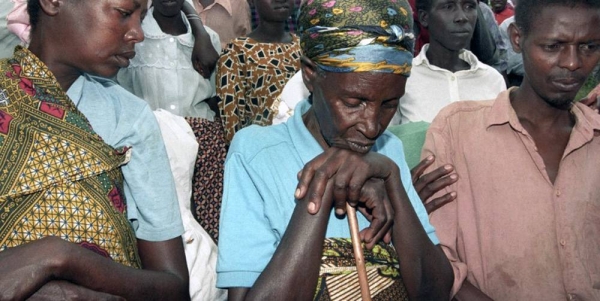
(149, 188)
(394, 150)
(246, 239)
(416, 202)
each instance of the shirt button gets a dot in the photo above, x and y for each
(557, 192)
(171, 40)
(563, 242)
(453, 78)
(572, 297)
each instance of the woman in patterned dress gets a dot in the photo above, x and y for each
(252, 70)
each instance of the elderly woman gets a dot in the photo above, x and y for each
(280, 238)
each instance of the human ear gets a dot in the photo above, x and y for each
(309, 72)
(423, 17)
(50, 7)
(514, 34)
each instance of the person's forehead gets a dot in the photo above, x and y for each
(557, 20)
(438, 2)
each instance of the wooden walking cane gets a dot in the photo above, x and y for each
(358, 253)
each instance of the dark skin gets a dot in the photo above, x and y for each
(346, 118)
(450, 24)
(567, 54)
(169, 18)
(101, 34)
(273, 14)
(430, 183)
(204, 55)
(559, 51)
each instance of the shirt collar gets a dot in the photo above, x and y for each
(502, 112)
(464, 55)
(305, 144)
(152, 30)
(76, 90)
(226, 4)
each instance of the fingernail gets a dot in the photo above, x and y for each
(312, 207)
(339, 211)
(453, 194)
(430, 158)
(297, 193)
(453, 177)
(448, 167)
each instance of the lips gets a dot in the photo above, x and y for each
(124, 57)
(360, 147)
(169, 3)
(567, 84)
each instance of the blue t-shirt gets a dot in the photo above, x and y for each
(123, 119)
(258, 197)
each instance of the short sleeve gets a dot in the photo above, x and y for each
(445, 218)
(247, 242)
(149, 188)
(415, 200)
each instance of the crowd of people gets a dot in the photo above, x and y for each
(211, 149)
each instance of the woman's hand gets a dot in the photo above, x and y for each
(27, 268)
(592, 100)
(428, 184)
(357, 180)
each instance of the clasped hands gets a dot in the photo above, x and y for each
(371, 183)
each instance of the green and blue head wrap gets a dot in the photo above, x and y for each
(358, 35)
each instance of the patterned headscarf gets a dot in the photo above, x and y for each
(358, 35)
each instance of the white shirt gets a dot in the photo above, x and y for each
(292, 93)
(162, 73)
(200, 250)
(430, 88)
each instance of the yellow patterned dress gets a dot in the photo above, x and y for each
(57, 176)
(250, 77)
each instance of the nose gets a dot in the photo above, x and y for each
(135, 33)
(570, 58)
(461, 15)
(370, 125)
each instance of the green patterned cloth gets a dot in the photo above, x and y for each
(57, 178)
(338, 277)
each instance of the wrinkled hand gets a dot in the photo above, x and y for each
(204, 56)
(347, 169)
(64, 290)
(428, 184)
(592, 100)
(27, 268)
(373, 196)
(358, 180)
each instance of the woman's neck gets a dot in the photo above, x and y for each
(170, 25)
(271, 32)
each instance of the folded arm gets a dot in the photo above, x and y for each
(28, 268)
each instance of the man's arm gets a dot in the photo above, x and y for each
(204, 56)
(27, 268)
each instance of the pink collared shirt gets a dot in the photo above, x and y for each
(512, 232)
(18, 20)
(229, 18)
